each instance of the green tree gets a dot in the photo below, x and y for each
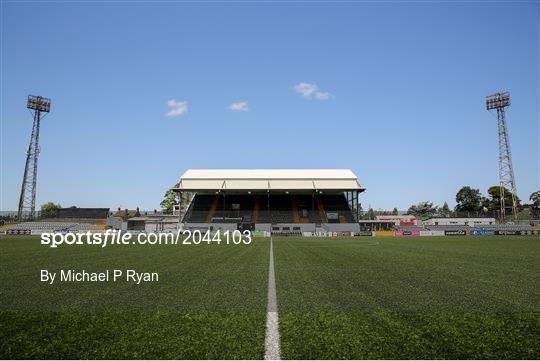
(486, 203)
(535, 200)
(445, 211)
(468, 200)
(494, 198)
(370, 214)
(170, 199)
(394, 212)
(422, 210)
(49, 210)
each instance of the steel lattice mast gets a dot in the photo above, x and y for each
(27, 200)
(500, 101)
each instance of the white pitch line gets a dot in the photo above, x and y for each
(272, 350)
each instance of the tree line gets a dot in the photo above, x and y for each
(470, 202)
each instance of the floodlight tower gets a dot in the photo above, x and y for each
(27, 200)
(500, 101)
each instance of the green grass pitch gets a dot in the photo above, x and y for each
(418, 298)
(429, 297)
(210, 302)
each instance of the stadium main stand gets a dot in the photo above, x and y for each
(255, 197)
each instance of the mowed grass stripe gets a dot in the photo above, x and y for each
(451, 297)
(395, 335)
(210, 303)
(408, 274)
(131, 335)
(192, 278)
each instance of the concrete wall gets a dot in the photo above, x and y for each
(116, 223)
(431, 233)
(155, 226)
(205, 226)
(341, 227)
(307, 227)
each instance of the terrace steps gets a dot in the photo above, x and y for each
(322, 214)
(212, 210)
(296, 217)
(256, 210)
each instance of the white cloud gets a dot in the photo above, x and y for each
(306, 89)
(311, 91)
(323, 95)
(177, 108)
(239, 107)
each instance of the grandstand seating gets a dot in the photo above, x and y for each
(213, 208)
(53, 226)
(320, 208)
(338, 204)
(199, 208)
(284, 208)
(256, 208)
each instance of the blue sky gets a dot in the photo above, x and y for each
(399, 96)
